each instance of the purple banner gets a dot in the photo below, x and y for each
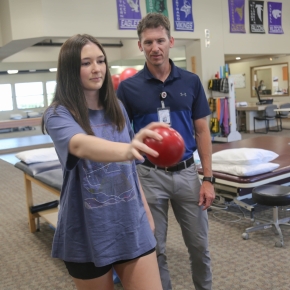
(275, 17)
(129, 14)
(237, 16)
(182, 13)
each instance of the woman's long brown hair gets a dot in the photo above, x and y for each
(69, 91)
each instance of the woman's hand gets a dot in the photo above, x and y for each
(138, 148)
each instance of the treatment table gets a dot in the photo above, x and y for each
(239, 188)
(243, 185)
(48, 175)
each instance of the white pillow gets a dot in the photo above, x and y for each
(33, 114)
(243, 156)
(245, 170)
(37, 155)
(15, 116)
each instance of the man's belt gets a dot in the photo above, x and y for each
(179, 166)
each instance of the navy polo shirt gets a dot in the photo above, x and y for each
(186, 99)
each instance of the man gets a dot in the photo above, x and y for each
(163, 89)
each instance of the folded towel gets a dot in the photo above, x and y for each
(242, 104)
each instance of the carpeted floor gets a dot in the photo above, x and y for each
(253, 264)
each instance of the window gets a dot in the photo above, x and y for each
(29, 95)
(50, 90)
(6, 102)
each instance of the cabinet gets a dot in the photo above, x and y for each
(234, 135)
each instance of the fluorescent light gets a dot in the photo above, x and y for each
(53, 69)
(237, 58)
(115, 66)
(179, 58)
(12, 71)
(32, 70)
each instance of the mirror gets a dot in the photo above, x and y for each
(270, 80)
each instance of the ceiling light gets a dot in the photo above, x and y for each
(179, 59)
(115, 66)
(12, 71)
(32, 70)
(270, 59)
(53, 69)
(238, 58)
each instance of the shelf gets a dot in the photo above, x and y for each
(234, 135)
(50, 216)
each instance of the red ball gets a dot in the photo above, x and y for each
(171, 148)
(128, 72)
(116, 81)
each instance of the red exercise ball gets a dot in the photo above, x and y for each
(171, 148)
(116, 81)
(128, 72)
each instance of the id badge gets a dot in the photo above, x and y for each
(164, 115)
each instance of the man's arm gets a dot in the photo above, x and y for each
(204, 147)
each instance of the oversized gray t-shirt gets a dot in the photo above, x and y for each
(101, 217)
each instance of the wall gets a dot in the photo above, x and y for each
(12, 79)
(247, 43)
(65, 18)
(244, 94)
(46, 19)
(54, 18)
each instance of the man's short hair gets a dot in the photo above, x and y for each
(153, 20)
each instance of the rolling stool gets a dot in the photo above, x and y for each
(271, 195)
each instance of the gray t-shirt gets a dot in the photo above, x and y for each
(101, 217)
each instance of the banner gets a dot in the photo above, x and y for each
(275, 17)
(182, 13)
(237, 16)
(256, 13)
(157, 6)
(129, 14)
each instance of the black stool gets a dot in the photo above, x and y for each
(271, 195)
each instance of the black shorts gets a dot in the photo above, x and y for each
(88, 270)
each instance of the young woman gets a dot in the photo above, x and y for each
(104, 221)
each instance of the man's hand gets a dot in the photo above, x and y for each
(206, 195)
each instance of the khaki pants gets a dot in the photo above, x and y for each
(182, 189)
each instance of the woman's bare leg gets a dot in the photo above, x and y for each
(140, 274)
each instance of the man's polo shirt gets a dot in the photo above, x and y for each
(186, 99)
